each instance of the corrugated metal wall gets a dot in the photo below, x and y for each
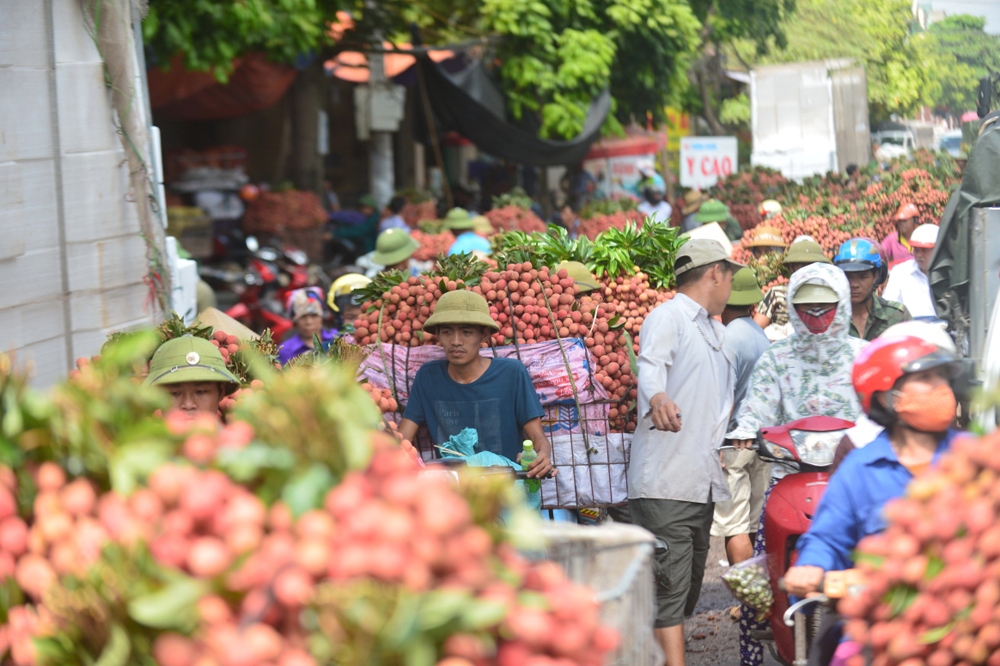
(850, 116)
(71, 258)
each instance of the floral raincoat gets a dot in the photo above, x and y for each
(804, 374)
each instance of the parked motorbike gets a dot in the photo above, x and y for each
(806, 447)
(264, 286)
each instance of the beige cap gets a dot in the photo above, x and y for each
(701, 252)
(814, 293)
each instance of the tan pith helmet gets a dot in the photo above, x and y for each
(806, 252)
(584, 279)
(461, 307)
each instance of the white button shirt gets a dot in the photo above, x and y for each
(676, 358)
(909, 286)
(660, 212)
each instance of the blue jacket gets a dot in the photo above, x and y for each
(851, 508)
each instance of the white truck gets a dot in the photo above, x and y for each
(809, 118)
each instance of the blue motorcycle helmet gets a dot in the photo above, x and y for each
(861, 254)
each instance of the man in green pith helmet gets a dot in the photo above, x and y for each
(494, 396)
(194, 373)
(714, 210)
(772, 312)
(393, 251)
(463, 225)
(747, 475)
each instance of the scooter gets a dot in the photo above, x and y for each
(806, 447)
(263, 288)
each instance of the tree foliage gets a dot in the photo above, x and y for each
(208, 34)
(875, 33)
(963, 54)
(757, 22)
(553, 57)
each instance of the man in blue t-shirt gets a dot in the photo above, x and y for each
(494, 396)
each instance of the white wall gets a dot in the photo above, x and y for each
(71, 258)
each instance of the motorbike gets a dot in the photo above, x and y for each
(262, 289)
(806, 447)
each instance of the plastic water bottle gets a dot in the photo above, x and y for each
(528, 456)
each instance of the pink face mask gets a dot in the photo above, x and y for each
(817, 319)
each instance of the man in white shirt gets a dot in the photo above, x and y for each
(674, 474)
(908, 283)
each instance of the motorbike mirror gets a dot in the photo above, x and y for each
(252, 243)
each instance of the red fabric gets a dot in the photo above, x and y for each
(180, 94)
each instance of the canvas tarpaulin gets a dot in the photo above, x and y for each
(950, 265)
(469, 102)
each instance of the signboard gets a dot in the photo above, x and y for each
(616, 176)
(678, 126)
(706, 159)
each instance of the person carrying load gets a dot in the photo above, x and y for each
(493, 396)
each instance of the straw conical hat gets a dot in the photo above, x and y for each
(220, 321)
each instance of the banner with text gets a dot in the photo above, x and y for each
(706, 159)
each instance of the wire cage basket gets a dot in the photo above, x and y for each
(591, 459)
(616, 561)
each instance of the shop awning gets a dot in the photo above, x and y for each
(635, 144)
(353, 65)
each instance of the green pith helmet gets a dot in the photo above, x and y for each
(394, 246)
(368, 200)
(458, 219)
(806, 252)
(746, 291)
(461, 307)
(584, 279)
(712, 210)
(189, 359)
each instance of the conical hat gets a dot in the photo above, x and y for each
(220, 321)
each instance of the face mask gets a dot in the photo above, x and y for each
(927, 411)
(817, 320)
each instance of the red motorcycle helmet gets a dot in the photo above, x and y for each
(880, 365)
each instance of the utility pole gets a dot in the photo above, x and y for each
(382, 172)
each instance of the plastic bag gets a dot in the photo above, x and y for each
(750, 584)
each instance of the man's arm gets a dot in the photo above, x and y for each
(656, 353)
(408, 429)
(543, 463)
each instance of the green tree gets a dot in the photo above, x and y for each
(208, 34)
(963, 53)
(757, 22)
(553, 57)
(875, 33)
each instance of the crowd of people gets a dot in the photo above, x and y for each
(716, 363)
(825, 344)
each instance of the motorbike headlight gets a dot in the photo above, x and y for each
(777, 452)
(816, 448)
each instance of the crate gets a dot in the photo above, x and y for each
(192, 229)
(616, 561)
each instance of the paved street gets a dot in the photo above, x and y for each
(712, 638)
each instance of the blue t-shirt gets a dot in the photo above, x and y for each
(743, 343)
(497, 405)
(469, 242)
(851, 508)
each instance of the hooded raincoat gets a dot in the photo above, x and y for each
(805, 374)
